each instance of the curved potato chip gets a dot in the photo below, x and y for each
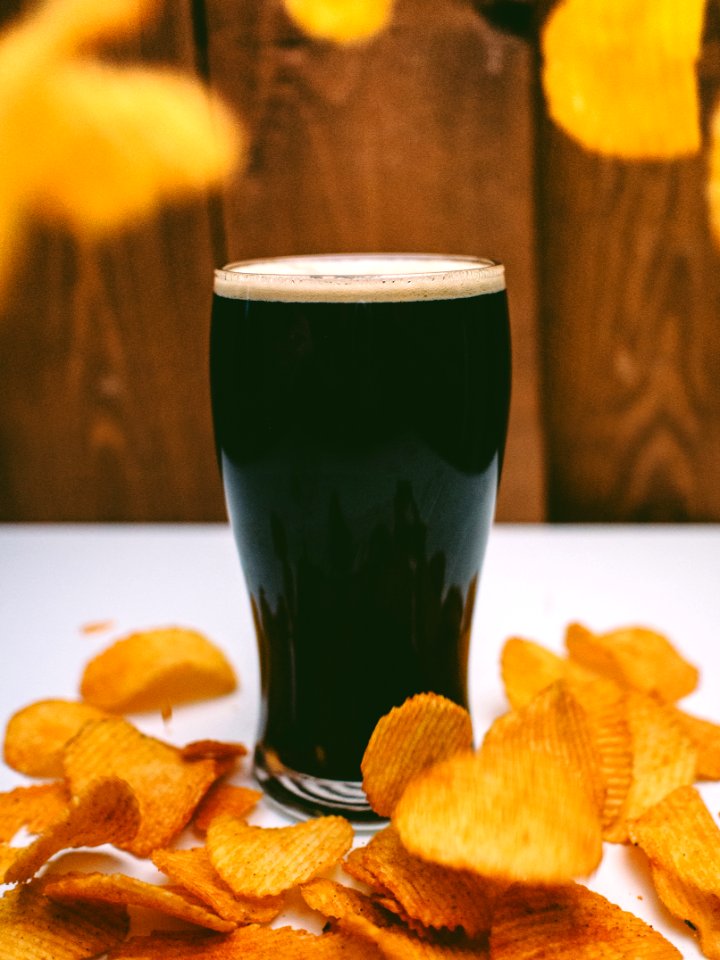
(34, 807)
(343, 21)
(435, 896)
(571, 923)
(192, 870)
(116, 888)
(706, 736)
(635, 657)
(425, 729)
(225, 798)
(33, 926)
(106, 811)
(338, 902)
(36, 736)
(154, 668)
(168, 788)
(265, 861)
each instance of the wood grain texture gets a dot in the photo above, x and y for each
(630, 339)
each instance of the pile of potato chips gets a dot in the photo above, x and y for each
(481, 856)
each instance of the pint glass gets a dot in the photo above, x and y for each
(360, 407)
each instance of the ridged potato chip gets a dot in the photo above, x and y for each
(338, 902)
(265, 861)
(635, 657)
(36, 736)
(152, 669)
(32, 927)
(425, 729)
(225, 798)
(706, 736)
(34, 808)
(117, 888)
(168, 788)
(106, 811)
(571, 923)
(435, 896)
(191, 869)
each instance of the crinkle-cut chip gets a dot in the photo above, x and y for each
(168, 788)
(664, 758)
(192, 870)
(265, 861)
(635, 657)
(509, 814)
(251, 942)
(338, 902)
(682, 842)
(106, 811)
(398, 944)
(571, 923)
(553, 724)
(340, 21)
(425, 729)
(117, 888)
(33, 927)
(652, 46)
(154, 668)
(34, 808)
(706, 736)
(610, 731)
(225, 798)
(436, 896)
(36, 736)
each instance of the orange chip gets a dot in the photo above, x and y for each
(706, 736)
(118, 889)
(265, 861)
(651, 46)
(341, 21)
(37, 735)
(34, 807)
(425, 729)
(32, 926)
(634, 657)
(611, 735)
(480, 811)
(664, 758)
(154, 668)
(168, 788)
(219, 750)
(682, 843)
(252, 942)
(192, 870)
(570, 923)
(435, 896)
(338, 902)
(225, 798)
(106, 811)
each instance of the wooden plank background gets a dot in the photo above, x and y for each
(431, 137)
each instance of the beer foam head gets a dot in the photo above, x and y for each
(360, 277)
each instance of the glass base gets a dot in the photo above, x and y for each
(302, 796)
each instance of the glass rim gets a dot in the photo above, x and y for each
(353, 277)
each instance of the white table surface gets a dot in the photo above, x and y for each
(536, 579)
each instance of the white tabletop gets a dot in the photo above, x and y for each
(536, 579)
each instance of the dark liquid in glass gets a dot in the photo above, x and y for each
(360, 446)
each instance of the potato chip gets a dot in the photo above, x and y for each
(116, 888)
(634, 657)
(265, 861)
(435, 896)
(651, 46)
(219, 750)
(37, 735)
(106, 811)
(168, 788)
(33, 927)
(512, 811)
(706, 736)
(34, 808)
(249, 943)
(611, 735)
(341, 21)
(682, 842)
(338, 902)
(664, 758)
(154, 668)
(425, 729)
(192, 870)
(571, 923)
(225, 798)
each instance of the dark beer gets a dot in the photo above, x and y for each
(360, 414)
